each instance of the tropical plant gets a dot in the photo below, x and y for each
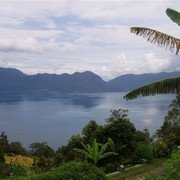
(171, 85)
(176, 102)
(95, 153)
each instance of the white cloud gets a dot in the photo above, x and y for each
(69, 36)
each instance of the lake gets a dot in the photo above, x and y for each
(54, 117)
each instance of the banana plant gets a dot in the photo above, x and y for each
(170, 85)
(96, 152)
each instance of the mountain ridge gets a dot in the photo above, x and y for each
(15, 80)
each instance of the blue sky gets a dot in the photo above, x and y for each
(72, 35)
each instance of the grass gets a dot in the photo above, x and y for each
(18, 159)
(146, 171)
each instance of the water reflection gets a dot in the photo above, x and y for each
(84, 100)
(54, 117)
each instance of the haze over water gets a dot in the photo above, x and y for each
(55, 117)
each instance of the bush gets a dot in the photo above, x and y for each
(71, 170)
(142, 154)
(7, 170)
(2, 159)
(172, 167)
(110, 167)
(161, 149)
(42, 164)
(77, 170)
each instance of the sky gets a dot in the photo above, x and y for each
(72, 35)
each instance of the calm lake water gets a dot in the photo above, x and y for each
(54, 117)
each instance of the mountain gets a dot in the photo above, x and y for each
(15, 80)
(131, 81)
(12, 79)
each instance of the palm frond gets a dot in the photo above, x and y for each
(171, 85)
(108, 154)
(82, 152)
(104, 147)
(173, 15)
(111, 144)
(157, 37)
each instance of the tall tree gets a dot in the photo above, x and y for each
(171, 85)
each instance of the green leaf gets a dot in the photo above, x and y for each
(108, 154)
(83, 152)
(171, 85)
(111, 144)
(173, 15)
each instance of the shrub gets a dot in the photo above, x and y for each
(57, 160)
(42, 164)
(161, 149)
(142, 153)
(71, 170)
(7, 170)
(110, 167)
(77, 170)
(172, 167)
(2, 159)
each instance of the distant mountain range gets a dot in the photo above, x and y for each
(15, 80)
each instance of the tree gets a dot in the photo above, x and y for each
(170, 130)
(120, 130)
(89, 130)
(176, 102)
(171, 85)
(4, 143)
(41, 149)
(95, 153)
(17, 148)
(67, 151)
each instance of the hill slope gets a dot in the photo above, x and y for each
(15, 80)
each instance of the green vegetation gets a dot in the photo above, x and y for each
(70, 170)
(118, 136)
(171, 85)
(172, 167)
(141, 172)
(94, 153)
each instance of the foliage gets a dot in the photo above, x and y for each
(42, 164)
(175, 102)
(2, 159)
(170, 85)
(67, 151)
(95, 153)
(116, 115)
(160, 38)
(18, 159)
(172, 167)
(77, 170)
(4, 143)
(41, 149)
(145, 171)
(165, 86)
(89, 130)
(70, 170)
(170, 130)
(7, 170)
(142, 154)
(110, 167)
(17, 148)
(121, 131)
(143, 136)
(57, 160)
(173, 15)
(161, 149)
